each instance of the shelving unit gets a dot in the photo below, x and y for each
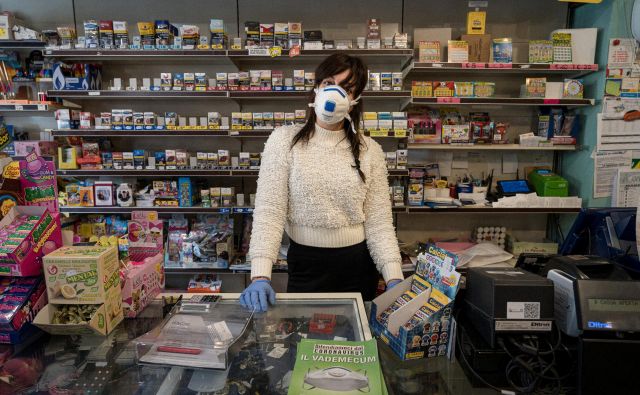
(161, 210)
(500, 101)
(181, 173)
(488, 147)
(495, 69)
(193, 133)
(21, 44)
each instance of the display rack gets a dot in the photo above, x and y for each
(496, 69)
(400, 134)
(500, 101)
(488, 147)
(182, 173)
(21, 44)
(235, 95)
(161, 210)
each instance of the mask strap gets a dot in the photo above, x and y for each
(355, 101)
(353, 128)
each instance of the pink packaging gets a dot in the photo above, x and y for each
(41, 148)
(38, 182)
(145, 235)
(25, 259)
(141, 284)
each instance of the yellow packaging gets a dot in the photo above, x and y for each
(83, 275)
(419, 284)
(438, 299)
(102, 322)
(370, 116)
(476, 22)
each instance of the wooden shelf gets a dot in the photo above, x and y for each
(488, 147)
(573, 70)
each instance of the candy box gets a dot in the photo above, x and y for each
(145, 230)
(83, 275)
(38, 182)
(97, 319)
(141, 283)
(34, 231)
(18, 302)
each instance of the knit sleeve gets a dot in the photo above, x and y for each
(378, 224)
(272, 201)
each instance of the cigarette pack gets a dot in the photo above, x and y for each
(218, 34)
(309, 80)
(265, 80)
(244, 82)
(212, 159)
(233, 81)
(298, 80)
(300, 116)
(138, 121)
(281, 32)
(165, 81)
(386, 81)
(277, 82)
(252, 31)
(106, 34)
(247, 121)
(396, 81)
(224, 160)
(266, 35)
(189, 82)
(254, 80)
(221, 81)
(374, 81)
(295, 34)
(200, 82)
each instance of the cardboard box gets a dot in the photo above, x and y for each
(479, 47)
(25, 259)
(408, 337)
(83, 275)
(142, 283)
(517, 247)
(101, 323)
(19, 303)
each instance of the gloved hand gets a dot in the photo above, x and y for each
(258, 295)
(393, 283)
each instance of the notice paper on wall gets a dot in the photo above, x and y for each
(460, 160)
(627, 189)
(510, 162)
(617, 134)
(606, 166)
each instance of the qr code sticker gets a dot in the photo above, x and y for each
(532, 311)
(523, 310)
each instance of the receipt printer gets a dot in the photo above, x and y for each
(547, 183)
(593, 295)
(508, 301)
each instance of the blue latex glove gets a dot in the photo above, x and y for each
(393, 283)
(258, 295)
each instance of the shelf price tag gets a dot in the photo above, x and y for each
(500, 65)
(473, 65)
(378, 133)
(258, 52)
(562, 66)
(93, 93)
(42, 107)
(225, 210)
(437, 65)
(448, 100)
(19, 107)
(551, 101)
(275, 51)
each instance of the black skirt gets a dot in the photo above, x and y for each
(345, 269)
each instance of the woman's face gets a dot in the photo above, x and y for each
(338, 79)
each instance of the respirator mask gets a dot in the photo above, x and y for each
(332, 105)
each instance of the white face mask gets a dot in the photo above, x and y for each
(332, 105)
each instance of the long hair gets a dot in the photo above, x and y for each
(356, 81)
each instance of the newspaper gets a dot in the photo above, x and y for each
(627, 188)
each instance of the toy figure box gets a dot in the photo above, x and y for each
(414, 317)
(141, 283)
(145, 235)
(26, 234)
(20, 300)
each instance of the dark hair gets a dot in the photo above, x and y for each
(356, 81)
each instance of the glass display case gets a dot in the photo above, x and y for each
(262, 364)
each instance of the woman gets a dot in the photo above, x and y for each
(326, 185)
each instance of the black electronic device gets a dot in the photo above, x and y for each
(512, 187)
(508, 301)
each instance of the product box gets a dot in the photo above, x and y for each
(295, 34)
(266, 35)
(421, 89)
(479, 47)
(104, 319)
(79, 77)
(298, 80)
(464, 89)
(106, 34)
(540, 51)
(386, 81)
(458, 51)
(142, 282)
(517, 247)
(444, 88)
(20, 300)
(37, 232)
(419, 326)
(38, 182)
(224, 160)
(309, 80)
(120, 34)
(476, 22)
(82, 275)
(484, 89)
(452, 134)
(415, 192)
(281, 31)
(536, 87)
(252, 31)
(502, 50)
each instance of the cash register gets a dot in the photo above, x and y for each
(597, 307)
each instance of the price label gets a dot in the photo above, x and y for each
(378, 133)
(275, 51)
(19, 107)
(225, 211)
(42, 107)
(500, 65)
(94, 93)
(586, 67)
(473, 65)
(400, 132)
(258, 52)
(448, 100)
(438, 65)
(562, 66)
(551, 101)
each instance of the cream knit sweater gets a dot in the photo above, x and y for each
(313, 192)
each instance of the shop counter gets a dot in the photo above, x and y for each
(93, 364)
